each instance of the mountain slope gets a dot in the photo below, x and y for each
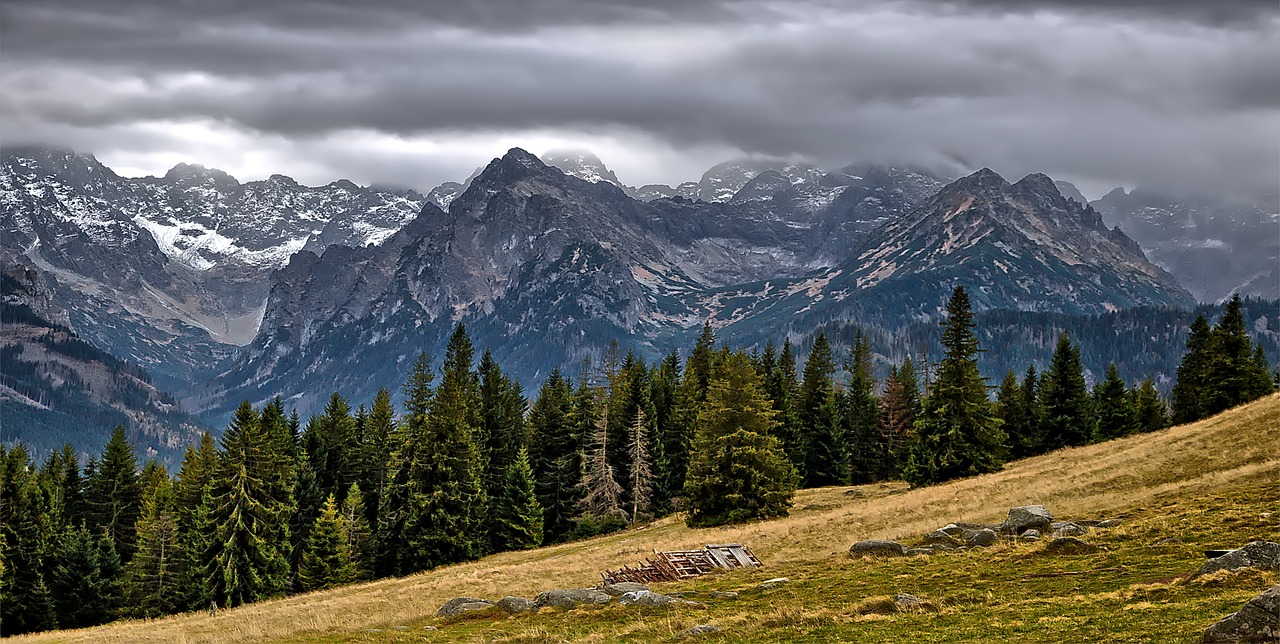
(56, 388)
(1199, 486)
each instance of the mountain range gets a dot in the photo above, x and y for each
(225, 290)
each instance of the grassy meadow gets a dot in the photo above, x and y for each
(1212, 484)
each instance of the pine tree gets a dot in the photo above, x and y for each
(114, 495)
(1189, 395)
(664, 382)
(557, 456)
(897, 419)
(689, 397)
(326, 561)
(191, 505)
(519, 513)
(1029, 439)
(83, 592)
(738, 471)
(356, 533)
(408, 472)
(153, 582)
(330, 446)
(958, 433)
(444, 521)
(1117, 416)
(380, 442)
(1011, 410)
(1064, 398)
(825, 458)
(783, 389)
(1234, 374)
(502, 435)
(641, 474)
(28, 605)
(868, 452)
(1149, 408)
(601, 493)
(248, 558)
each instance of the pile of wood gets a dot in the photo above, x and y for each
(683, 564)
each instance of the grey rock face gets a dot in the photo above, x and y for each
(645, 598)
(616, 590)
(460, 605)
(1025, 518)
(980, 538)
(878, 548)
(571, 598)
(1264, 555)
(515, 605)
(1257, 621)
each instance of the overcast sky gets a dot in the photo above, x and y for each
(411, 92)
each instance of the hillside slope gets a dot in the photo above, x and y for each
(1208, 479)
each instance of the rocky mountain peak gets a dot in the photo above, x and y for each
(513, 166)
(581, 164)
(192, 175)
(983, 181)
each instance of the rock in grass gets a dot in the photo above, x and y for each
(515, 605)
(1069, 546)
(772, 583)
(979, 538)
(1068, 529)
(645, 598)
(571, 598)
(904, 600)
(1025, 518)
(878, 548)
(1030, 536)
(702, 629)
(724, 594)
(944, 537)
(1109, 523)
(621, 588)
(911, 552)
(460, 605)
(1257, 621)
(1264, 555)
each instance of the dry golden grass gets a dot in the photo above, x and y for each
(1239, 447)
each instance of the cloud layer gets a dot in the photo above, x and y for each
(1173, 94)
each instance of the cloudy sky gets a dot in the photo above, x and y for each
(415, 92)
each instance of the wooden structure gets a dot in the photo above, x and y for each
(683, 564)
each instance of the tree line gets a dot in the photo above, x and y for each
(470, 467)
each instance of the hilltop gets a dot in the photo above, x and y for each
(1211, 484)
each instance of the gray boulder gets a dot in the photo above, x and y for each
(1257, 621)
(1068, 529)
(927, 550)
(645, 598)
(1069, 546)
(1264, 555)
(515, 605)
(878, 548)
(979, 538)
(622, 588)
(1109, 523)
(905, 601)
(1025, 518)
(702, 629)
(1030, 536)
(460, 605)
(944, 537)
(570, 598)
(724, 594)
(773, 583)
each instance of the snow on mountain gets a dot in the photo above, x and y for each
(581, 164)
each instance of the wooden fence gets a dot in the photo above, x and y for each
(683, 564)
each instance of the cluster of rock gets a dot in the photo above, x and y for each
(1026, 524)
(627, 594)
(1259, 619)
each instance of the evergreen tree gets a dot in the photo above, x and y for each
(1149, 408)
(329, 443)
(519, 513)
(897, 419)
(689, 397)
(1011, 410)
(359, 537)
(114, 495)
(1068, 415)
(641, 474)
(738, 471)
(28, 605)
(1189, 393)
(380, 442)
(249, 555)
(84, 591)
(191, 507)
(783, 389)
(958, 433)
(825, 458)
(664, 382)
(502, 436)
(326, 561)
(557, 456)
(153, 581)
(444, 522)
(1234, 374)
(409, 472)
(1117, 416)
(868, 452)
(601, 493)
(1027, 438)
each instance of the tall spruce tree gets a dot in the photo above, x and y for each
(357, 533)
(738, 471)
(601, 492)
(409, 471)
(519, 514)
(825, 457)
(444, 523)
(380, 442)
(1189, 388)
(1116, 414)
(330, 445)
(28, 605)
(1028, 439)
(1233, 375)
(897, 418)
(114, 495)
(248, 558)
(153, 578)
(326, 560)
(556, 455)
(1011, 409)
(502, 434)
(958, 433)
(1064, 398)
(868, 451)
(783, 389)
(1150, 410)
(689, 398)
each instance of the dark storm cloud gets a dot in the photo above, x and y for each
(1125, 91)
